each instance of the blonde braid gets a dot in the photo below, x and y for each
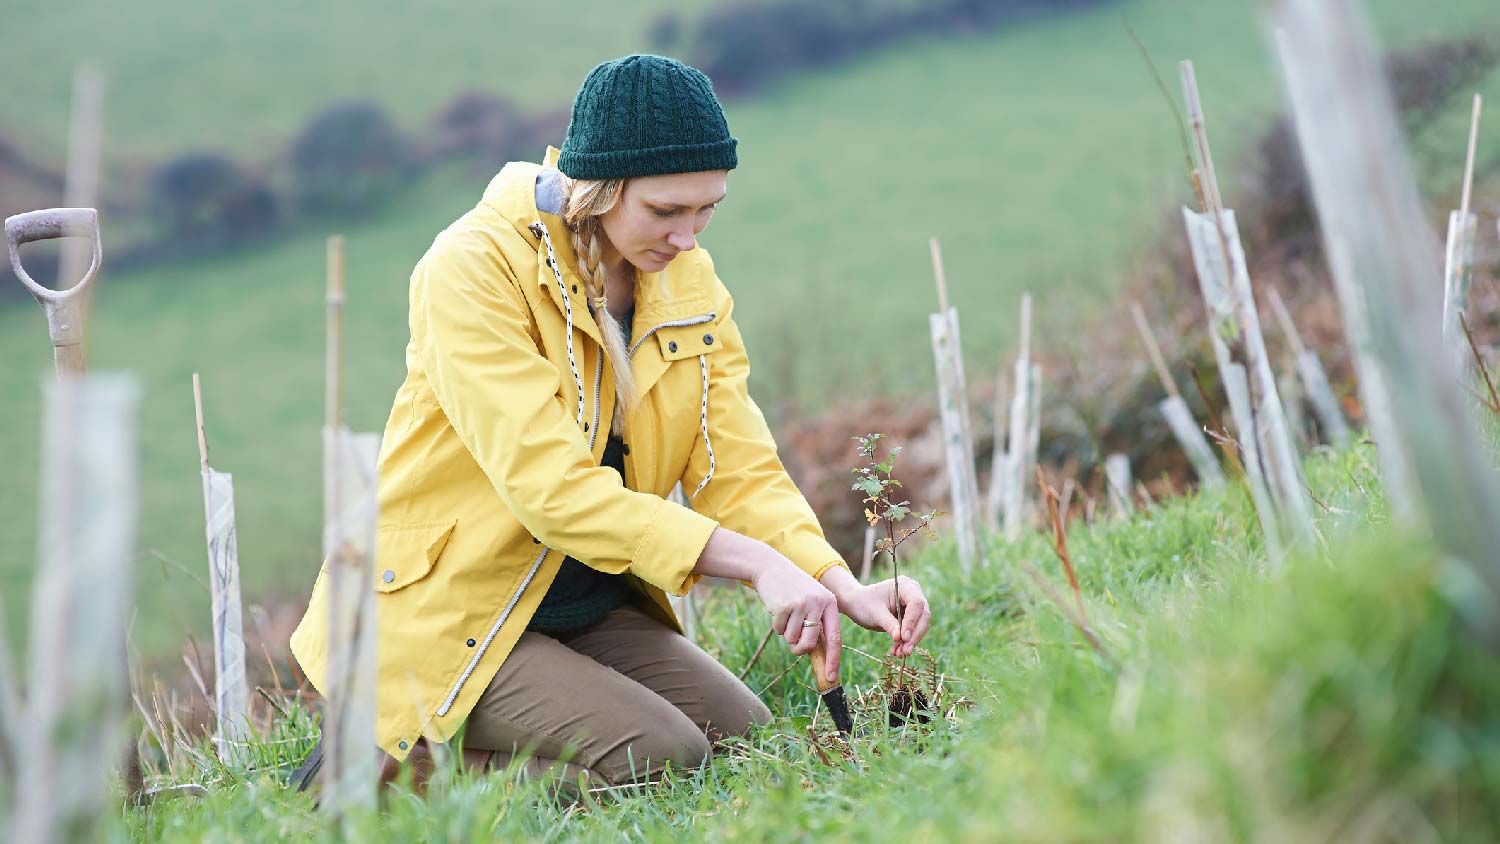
(585, 202)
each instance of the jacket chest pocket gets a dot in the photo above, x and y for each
(406, 553)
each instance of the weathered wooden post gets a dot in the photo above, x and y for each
(1175, 410)
(231, 690)
(953, 406)
(76, 697)
(1270, 457)
(1382, 252)
(349, 502)
(1314, 379)
(1458, 268)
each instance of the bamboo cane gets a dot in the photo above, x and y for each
(1260, 417)
(1458, 265)
(231, 690)
(1174, 409)
(1381, 251)
(349, 483)
(1314, 378)
(77, 691)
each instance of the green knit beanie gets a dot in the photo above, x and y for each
(645, 115)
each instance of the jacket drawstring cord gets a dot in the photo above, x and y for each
(541, 230)
(703, 420)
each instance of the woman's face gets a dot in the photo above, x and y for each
(660, 216)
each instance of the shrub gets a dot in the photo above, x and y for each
(348, 157)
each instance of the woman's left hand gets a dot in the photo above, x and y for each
(871, 607)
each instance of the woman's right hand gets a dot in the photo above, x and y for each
(789, 594)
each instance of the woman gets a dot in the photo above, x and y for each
(524, 555)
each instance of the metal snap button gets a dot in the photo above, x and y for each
(672, 346)
(575, 288)
(471, 643)
(708, 339)
(401, 744)
(388, 576)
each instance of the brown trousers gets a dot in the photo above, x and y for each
(618, 701)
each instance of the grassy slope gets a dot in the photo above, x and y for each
(1336, 701)
(243, 76)
(1037, 154)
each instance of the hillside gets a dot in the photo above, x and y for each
(1040, 155)
(1339, 699)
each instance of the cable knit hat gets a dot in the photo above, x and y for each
(645, 115)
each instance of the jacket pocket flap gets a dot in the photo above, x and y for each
(405, 554)
(688, 341)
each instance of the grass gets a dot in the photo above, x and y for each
(1338, 699)
(1040, 156)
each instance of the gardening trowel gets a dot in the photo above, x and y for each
(832, 693)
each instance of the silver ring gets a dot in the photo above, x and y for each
(807, 623)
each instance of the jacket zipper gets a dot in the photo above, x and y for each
(530, 575)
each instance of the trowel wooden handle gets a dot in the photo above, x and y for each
(819, 674)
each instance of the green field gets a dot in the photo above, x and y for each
(243, 76)
(1336, 700)
(1040, 155)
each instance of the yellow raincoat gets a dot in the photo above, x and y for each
(489, 467)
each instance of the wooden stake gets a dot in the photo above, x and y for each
(1260, 419)
(198, 414)
(956, 457)
(1163, 374)
(81, 186)
(231, 688)
(1463, 206)
(77, 691)
(349, 483)
(333, 369)
(1382, 252)
(1458, 265)
(1314, 379)
(947, 350)
(960, 389)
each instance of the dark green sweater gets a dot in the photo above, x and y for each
(580, 595)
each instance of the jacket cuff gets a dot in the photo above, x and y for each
(810, 552)
(670, 547)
